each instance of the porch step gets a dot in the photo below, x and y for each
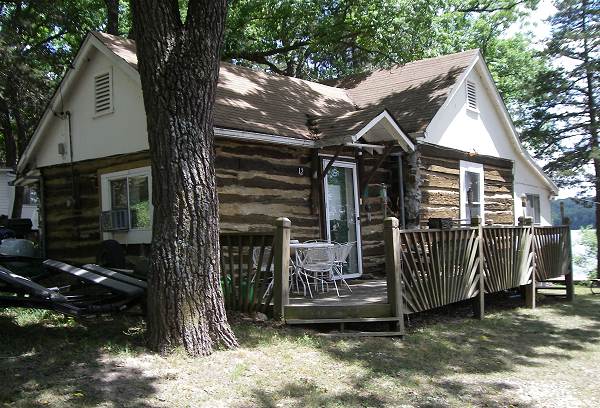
(362, 334)
(343, 320)
(372, 310)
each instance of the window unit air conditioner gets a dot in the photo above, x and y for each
(115, 220)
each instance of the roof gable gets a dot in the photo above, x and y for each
(413, 92)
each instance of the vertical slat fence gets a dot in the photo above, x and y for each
(439, 267)
(247, 270)
(552, 252)
(508, 259)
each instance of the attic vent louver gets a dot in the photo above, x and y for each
(103, 93)
(471, 96)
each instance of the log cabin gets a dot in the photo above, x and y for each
(427, 139)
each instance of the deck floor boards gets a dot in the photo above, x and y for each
(363, 292)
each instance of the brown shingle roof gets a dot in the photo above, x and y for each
(256, 101)
(413, 92)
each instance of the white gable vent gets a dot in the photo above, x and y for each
(103, 93)
(471, 96)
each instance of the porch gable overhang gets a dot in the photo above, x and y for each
(380, 129)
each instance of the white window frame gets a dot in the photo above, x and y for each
(132, 236)
(465, 167)
(111, 108)
(535, 214)
(475, 90)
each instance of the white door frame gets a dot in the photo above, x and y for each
(348, 165)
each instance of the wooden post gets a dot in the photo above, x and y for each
(281, 260)
(529, 289)
(393, 270)
(479, 301)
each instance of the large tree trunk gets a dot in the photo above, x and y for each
(112, 16)
(10, 143)
(10, 153)
(22, 141)
(179, 67)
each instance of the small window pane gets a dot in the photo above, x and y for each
(118, 194)
(139, 202)
(30, 196)
(473, 187)
(473, 194)
(533, 207)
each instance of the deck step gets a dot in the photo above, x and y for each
(343, 320)
(362, 334)
(373, 310)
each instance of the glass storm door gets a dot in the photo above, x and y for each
(342, 212)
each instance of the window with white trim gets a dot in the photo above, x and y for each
(129, 194)
(471, 96)
(533, 207)
(471, 190)
(103, 93)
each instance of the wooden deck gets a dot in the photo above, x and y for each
(367, 302)
(363, 292)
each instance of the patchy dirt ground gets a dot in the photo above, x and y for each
(548, 357)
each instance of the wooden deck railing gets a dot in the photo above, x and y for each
(253, 278)
(508, 258)
(439, 267)
(551, 252)
(553, 257)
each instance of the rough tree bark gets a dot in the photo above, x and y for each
(179, 67)
(12, 150)
(10, 144)
(112, 16)
(22, 141)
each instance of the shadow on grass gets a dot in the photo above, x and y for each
(57, 361)
(428, 357)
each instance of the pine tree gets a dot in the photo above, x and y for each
(561, 122)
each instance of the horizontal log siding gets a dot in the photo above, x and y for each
(440, 190)
(498, 195)
(73, 223)
(259, 183)
(256, 183)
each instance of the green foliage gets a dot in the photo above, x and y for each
(323, 39)
(580, 212)
(560, 122)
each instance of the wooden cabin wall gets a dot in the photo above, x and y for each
(72, 206)
(439, 180)
(257, 183)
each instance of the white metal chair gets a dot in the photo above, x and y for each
(340, 259)
(315, 264)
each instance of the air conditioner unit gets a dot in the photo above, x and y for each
(115, 220)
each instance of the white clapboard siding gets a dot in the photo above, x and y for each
(6, 192)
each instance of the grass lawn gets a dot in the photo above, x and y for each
(548, 357)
